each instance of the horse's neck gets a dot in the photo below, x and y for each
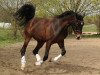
(58, 25)
(65, 22)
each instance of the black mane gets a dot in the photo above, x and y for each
(66, 13)
(70, 13)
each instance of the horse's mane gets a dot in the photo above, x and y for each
(70, 13)
(65, 14)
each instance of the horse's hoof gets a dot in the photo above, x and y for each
(22, 68)
(38, 62)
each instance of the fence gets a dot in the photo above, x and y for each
(5, 25)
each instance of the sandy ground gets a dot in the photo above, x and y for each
(82, 58)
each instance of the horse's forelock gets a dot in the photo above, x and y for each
(79, 17)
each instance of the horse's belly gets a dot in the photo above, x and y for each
(39, 36)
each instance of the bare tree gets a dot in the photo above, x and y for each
(8, 9)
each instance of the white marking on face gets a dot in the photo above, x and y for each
(81, 23)
(23, 61)
(57, 57)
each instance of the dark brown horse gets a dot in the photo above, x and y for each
(49, 31)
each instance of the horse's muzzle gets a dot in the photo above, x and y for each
(78, 36)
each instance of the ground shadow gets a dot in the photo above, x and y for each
(55, 68)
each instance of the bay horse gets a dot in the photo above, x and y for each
(49, 31)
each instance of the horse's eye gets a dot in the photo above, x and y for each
(82, 23)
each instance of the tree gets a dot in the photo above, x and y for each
(97, 13)
(8, 8)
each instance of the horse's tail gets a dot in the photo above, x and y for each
(25, 14)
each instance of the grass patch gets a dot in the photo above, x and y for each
(6, 37)
(89, 28)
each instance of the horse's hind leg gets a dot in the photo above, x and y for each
(35, 52)
(63, 51)
(23, 50)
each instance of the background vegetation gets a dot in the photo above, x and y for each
(48, 8)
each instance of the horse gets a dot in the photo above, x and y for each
(49, 31)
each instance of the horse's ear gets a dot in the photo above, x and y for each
(82, 14)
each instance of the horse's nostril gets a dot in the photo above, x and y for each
(78, 38)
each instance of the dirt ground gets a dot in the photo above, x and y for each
(82, 58)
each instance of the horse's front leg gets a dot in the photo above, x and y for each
(23, 50)
(63, 51)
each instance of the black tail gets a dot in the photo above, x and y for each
(25, 14)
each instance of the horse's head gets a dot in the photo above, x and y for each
(75, 20)
(77, 25)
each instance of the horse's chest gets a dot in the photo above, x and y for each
(61, 36)
(63, 33)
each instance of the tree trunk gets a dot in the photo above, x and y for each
(14, 28)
